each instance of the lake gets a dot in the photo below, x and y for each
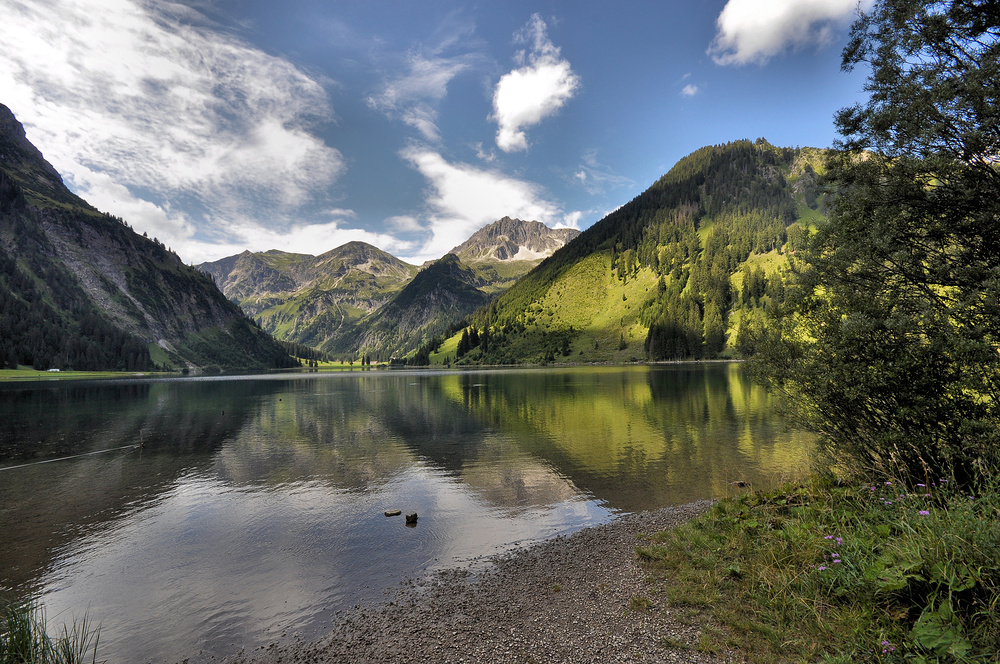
(253, 510)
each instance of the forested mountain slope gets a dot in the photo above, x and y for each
(676, 273)
(333, 301)
(79, 289)
(310, 299)
(440, 296)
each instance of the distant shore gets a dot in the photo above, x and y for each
(28, 375)
(578, 599)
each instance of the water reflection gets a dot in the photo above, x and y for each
(254, 506)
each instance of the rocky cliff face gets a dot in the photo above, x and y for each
(88, 275)
(513, 240)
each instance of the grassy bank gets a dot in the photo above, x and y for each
(29, 374)
(823, 571)
(24, 640)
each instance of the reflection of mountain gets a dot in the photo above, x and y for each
(51, 504)
(639, 438)
(359, 431)
(514, 440)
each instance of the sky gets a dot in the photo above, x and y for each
(219, 126)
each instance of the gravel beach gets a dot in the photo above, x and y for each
(568, 599)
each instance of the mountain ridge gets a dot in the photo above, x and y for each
(685, 270)
(80, 289)
(327, 301)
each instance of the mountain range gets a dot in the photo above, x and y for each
(80, 289)
(685, 270)
(357, 300)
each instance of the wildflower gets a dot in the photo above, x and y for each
(923, 485)
(828, 537)
(821, 567)
(923, 513)
(888, 483)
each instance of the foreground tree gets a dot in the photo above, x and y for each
(890, 340)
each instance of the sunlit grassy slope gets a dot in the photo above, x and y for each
(670, 275)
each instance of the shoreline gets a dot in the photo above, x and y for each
(578, 598)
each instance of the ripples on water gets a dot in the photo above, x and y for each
(254, 509)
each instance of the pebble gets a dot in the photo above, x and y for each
(511, 614)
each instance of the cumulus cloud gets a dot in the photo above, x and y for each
(689, 90)
(413, 96)
(754, 31)
(147, 108)
(462, 199)
(541, 85)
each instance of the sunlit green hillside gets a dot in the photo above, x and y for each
(683, 271)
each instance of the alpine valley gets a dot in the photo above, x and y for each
(359, 300)
(686, 270)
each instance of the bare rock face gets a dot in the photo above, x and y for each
(513, 240)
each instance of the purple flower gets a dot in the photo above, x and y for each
(888, 483)
(821, 567)
(924, 485)
(923, 513)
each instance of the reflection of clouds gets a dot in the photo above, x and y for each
(278, 519)
(507, 477)
(209, 564)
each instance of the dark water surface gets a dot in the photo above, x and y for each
(254, 509)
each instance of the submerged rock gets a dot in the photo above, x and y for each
(393, 512)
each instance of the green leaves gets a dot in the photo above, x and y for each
(939, 631)
(893, 324)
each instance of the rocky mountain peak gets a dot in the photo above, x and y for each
(510, 239)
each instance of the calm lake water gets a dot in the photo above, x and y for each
(254, 509)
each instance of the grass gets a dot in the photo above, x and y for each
(29, 374)
(24, 640)
(826, 571)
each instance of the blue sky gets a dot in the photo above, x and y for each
(223, 125)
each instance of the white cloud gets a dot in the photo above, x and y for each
(595, 177)
(463, 198)
(299, 238)
(413, 97)
(405, 223)
(753, 31)
(483, 155)
(689, 90)
(146, 109)
(538, 89)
